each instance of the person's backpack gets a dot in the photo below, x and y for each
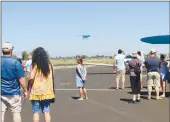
(137, 69)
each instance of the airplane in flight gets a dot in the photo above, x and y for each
(85, 36)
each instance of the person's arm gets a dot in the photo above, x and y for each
(114, 62)
(145, 63)
(23, 84)
(85, 73)
(32, 76)
(78, 68)
(159, 64)
(21, 78)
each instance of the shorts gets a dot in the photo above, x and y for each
(120, 74)
(164, 77)
(40, 106)
(153, 79)
(11, 102)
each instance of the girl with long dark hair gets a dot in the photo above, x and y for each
(41, 84)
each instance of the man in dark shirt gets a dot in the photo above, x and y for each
(152, 64)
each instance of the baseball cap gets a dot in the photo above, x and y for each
(7, 46)
(134, 52)
(153, 51)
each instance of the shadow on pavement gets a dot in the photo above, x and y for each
(112, 88)
(125, 100)
(75, 98)
(144, 94)
(98, 73)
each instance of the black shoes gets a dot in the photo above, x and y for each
(133, 102)
(138, 100)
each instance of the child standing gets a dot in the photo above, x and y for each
(164, 73)
(81, 74)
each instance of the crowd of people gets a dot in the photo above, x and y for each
(157, 73)
(36, 78)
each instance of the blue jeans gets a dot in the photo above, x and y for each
(40, 106)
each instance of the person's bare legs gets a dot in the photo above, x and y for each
(157, 85)
(3, 116)
(16, 117)
(157, 92)
(134, 97)
(123, 79)
(47, 116)
(85, 93)
(81, 93)
(149, 92)
(163, 88)
(117, 82)
(141, 78)
(36, 117)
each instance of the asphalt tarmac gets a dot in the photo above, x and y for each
(105, 103)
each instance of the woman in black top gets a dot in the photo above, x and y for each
(135, 71)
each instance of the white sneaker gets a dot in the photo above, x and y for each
(80, 98)
(162, 95)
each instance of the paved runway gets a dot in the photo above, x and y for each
(105, 104)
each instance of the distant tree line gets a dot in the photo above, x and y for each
(83, 56)
(26, 54)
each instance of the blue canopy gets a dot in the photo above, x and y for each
(163, 39)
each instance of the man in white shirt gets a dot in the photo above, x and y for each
(120, 69)
(28, 66)
(142, 60)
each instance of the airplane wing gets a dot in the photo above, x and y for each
(163, 39)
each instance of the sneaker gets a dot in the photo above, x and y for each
(138, 100)
(162, 96)
(132, 102)
(80, 98)
(86, 98)
(158, 98)
(148, 98)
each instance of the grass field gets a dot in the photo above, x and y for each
(73, 61)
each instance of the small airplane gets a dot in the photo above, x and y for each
(85, 36)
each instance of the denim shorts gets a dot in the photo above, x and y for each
(164, 77)
(40, 106)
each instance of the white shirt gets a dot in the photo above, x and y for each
(119, 61)
(28, 65)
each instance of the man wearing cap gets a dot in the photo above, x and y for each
(120, 68)
(28, 66)
(12, 77)
(152, 64)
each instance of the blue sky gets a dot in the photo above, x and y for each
(58, 26)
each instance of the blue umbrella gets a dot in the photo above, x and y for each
(163, 39)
